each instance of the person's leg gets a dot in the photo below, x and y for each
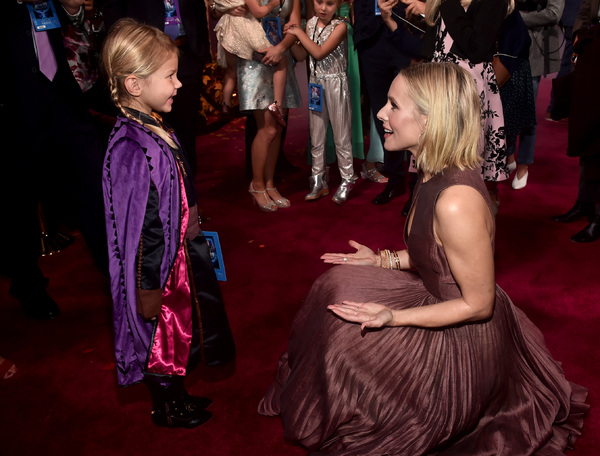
(229, 80)
(589, 198)
(566, 65)
(374, 156)
(279, 81)
(171, 406)
(340, 116)
(262, 157)
(380, 63)
(526, 146)
(318, 182)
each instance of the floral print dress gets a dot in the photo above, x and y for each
(492, 144)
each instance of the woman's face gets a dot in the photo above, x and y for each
(402, 123)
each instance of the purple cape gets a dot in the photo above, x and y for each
(136, 157)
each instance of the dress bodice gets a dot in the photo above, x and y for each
(427, 255)
(336, 63)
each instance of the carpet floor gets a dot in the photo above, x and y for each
(65, 400)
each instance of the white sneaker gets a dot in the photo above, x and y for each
(518, 184)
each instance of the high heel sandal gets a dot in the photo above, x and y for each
(276, 113)
(269, 205)
(280, 201)
(373, 175)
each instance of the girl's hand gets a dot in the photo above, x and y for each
(368, 314)
(414, 7)
(291, 29)
(363, 256)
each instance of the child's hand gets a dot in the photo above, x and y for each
(292, 30)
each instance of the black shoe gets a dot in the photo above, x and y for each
(40, 306)
(196, 402)
(590, 233)
(579, 211)
(177, 414)
(388, 194)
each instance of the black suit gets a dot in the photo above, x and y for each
(53, 132)
(381, 56)
(194, 54)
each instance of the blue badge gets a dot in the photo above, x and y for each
(315, 97)
(43, 16)
(216, 255)
(272, 26)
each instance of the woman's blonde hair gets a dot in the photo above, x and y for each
(138, 49)
(447, 95)
(432, 8)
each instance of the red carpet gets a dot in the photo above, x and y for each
(65, 400)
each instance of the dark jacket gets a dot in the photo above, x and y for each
(474, 31)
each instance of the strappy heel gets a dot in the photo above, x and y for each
(269, 205)
(280, 201)
(373, 175)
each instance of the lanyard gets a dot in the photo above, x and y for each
(317, 42)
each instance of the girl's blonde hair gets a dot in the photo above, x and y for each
(138, 49)
(432, 8)
(447, 95)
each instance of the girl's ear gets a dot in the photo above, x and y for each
(133, 86)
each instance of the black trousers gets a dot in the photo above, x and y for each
(62, 152)
(379, 63)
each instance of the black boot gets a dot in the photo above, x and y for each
(170, 408)
(192, 402)
(590, 233)
(580, 210)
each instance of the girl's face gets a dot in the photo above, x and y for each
(402, 123)
(325, 10)
(159, 89)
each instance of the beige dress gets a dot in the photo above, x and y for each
(238, 35)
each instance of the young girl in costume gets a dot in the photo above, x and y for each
(168, 309)
(243, 36)
(326, 42)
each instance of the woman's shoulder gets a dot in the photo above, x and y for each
(461, 188)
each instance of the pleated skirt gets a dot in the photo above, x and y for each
(483, 388)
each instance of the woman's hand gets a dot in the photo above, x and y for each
(368, 314)
(363, 256)
(239, 11)
(414, 7)
(273, 55)
(385, 6)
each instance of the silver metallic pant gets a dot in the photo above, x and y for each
(337, 109)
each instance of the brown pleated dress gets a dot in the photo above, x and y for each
(483, 388)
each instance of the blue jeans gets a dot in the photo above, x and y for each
(527, 136)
